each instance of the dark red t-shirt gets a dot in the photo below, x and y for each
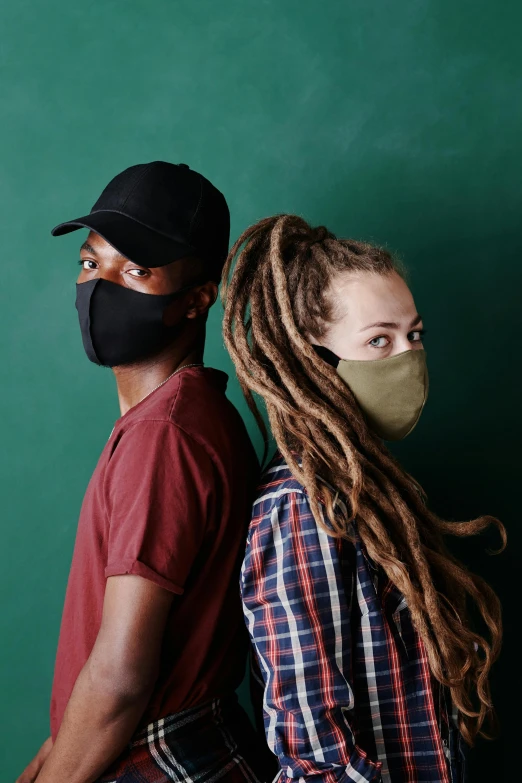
(170, 501)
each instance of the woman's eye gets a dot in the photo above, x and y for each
(379, 342)
(87, 264)
(138, 272)
(416, 336)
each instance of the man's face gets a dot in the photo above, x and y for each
(99, 259)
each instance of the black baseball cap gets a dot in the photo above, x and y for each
(155, 213)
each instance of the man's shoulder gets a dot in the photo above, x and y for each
(203, 411)
(188, 400)
(193, 405)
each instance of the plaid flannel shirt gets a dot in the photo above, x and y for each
(348, 694)
(213, 741)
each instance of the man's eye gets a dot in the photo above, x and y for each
(87, 263)
(138, 272)
(379, 342)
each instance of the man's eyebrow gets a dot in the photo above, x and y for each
(89, 248)
(390, 324)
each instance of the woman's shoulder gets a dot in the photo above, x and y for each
(276, 482)
(280, 490)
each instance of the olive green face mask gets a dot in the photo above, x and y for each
(390, 392)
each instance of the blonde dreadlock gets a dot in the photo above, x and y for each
(277, 297)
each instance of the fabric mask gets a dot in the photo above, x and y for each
(122, 326)
(390, 392)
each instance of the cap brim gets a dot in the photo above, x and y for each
(130, 238)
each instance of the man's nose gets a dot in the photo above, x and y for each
(111, 275)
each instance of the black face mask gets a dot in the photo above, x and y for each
(122, 326)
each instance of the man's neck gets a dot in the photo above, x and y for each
(136, 381)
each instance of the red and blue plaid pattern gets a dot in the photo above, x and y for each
(348, 694)
(213, 741)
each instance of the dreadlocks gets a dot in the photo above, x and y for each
(276, 299)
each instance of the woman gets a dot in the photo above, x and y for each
(357, 611)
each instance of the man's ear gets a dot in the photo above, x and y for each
(203, 297)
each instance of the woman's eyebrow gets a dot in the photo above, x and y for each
(390, 324)
(381, 325)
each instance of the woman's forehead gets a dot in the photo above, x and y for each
(368, 297)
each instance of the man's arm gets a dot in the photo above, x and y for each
(299, 620)
(114, 686)
(30, 773)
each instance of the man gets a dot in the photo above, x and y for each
(152, 642)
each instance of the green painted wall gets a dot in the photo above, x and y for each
(397, 122)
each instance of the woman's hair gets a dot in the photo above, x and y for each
(277, 299)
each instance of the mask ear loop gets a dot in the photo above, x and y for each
(327, 355)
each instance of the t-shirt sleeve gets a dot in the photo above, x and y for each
(159, 485)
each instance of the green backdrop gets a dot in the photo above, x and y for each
(394, 122)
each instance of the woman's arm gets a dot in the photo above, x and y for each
(298, 618)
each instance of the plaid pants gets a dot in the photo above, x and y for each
(210, 742)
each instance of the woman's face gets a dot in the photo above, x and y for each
(374, 317)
